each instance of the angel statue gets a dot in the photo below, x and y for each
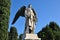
(30, 17)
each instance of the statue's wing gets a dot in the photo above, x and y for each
(21, 12)
(34, 14)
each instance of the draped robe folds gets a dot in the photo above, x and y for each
(29, 15)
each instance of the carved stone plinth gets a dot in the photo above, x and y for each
(31, 37)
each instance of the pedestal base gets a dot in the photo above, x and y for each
(31, 37)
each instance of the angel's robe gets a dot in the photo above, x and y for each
(29, 15)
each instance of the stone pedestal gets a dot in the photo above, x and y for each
(31, 37)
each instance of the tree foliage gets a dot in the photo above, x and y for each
(4, 18)
(50, 32)
(20, 36)
(13, 35)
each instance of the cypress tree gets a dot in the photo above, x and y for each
(4, 18)
(50, 32)
(13, 35)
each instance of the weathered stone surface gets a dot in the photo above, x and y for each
(32, 37)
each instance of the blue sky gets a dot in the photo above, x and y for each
(46, 10)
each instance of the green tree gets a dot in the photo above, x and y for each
(13, 35)
(4, 18)
(50, 32)
(20, 37)
(56, 30)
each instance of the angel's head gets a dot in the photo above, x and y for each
(29, 6)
